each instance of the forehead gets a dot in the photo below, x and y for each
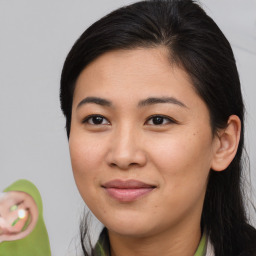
(127, 76)
(144, 63)
(153, 59)
(141, 64)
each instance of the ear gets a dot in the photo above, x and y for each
(226, 144)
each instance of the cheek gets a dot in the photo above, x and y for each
(183, 163)
(182, 157)
(85, 154)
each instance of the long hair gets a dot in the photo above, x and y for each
(196, 44)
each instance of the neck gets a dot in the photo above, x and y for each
(177, 242)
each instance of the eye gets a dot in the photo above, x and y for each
(160, 120)
(96, 120)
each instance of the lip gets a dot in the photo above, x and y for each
(127, 190)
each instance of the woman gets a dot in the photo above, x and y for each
(154, 116)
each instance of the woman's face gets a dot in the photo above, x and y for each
(141, 144)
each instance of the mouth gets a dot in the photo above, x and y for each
(128, 190)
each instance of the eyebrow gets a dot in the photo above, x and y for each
(142, 103)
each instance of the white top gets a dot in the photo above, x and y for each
(209, 250)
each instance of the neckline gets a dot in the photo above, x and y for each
(102, 247)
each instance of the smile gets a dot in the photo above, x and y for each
(127, 191)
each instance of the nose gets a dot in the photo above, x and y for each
(126, 149)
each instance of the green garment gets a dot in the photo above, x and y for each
(102, 246)
(201, 249)
(37, 242)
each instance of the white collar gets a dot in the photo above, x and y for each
(210, 249)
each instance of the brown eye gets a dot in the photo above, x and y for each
(157, 120)
(96, 120)
(160, 120)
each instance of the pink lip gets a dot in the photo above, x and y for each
(128, 190)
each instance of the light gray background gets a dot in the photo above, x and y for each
(34, 41)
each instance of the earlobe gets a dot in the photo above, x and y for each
(226, 144)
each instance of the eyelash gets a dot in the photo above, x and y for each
(170, 120)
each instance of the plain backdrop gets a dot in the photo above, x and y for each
(35, 37)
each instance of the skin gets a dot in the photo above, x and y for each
(175, 155)
(24, 201)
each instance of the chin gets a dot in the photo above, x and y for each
(132, 228)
